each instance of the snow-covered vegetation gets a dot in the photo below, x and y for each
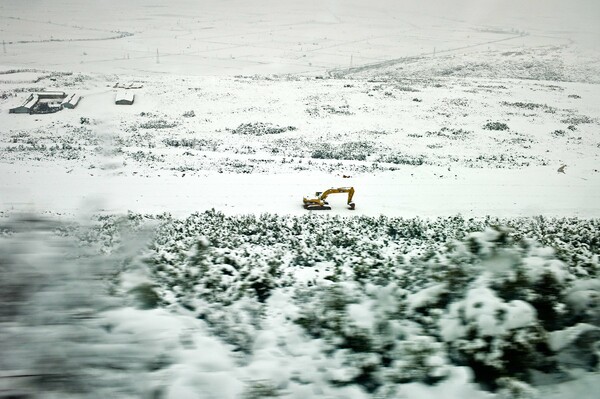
(284, 306)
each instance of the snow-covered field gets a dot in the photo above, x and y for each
(469, 268)
(411, 147)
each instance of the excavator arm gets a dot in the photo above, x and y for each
(349, 190)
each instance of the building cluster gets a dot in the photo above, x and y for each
(46, 102)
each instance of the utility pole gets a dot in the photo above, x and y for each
(157, 60)
(4, 46)
(351, 55)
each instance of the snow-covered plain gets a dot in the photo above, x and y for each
(485, 110)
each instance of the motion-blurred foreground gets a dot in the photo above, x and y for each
(217, 306)
(56, 336)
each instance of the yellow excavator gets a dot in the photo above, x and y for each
(318, 202)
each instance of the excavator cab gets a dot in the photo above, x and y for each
(318, 202)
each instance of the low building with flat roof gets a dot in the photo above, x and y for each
(124, 97)
(27, 105)
(51, 95)
(71, 101)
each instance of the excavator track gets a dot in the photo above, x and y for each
(317, 207)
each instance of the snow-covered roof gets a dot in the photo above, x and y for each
(27, 105)
(71, 100)
(30, 102)
(124, 96)
(51, 94)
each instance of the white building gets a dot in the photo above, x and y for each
(124, 97)
(71, 101)
(27, 105)
(36, 101)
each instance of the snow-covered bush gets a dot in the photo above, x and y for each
(198, 144)
(420, 358)
(530, 106)
(450, 133)
(376, 303)
(158, 124)
(353, 150)
(583, 299)
(495, 126)
(221, 275)
(577, 120)
(365, 330)
(402, 159)
(260, 129)
(493, 337)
